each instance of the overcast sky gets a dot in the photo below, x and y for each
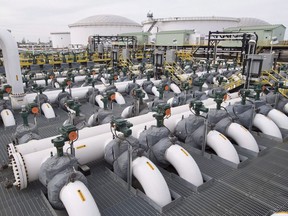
(33, 19)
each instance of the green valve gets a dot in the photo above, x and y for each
(162, 110)
(59, 142)
(66, 132)
(122, 126)
(138, 94)
(24, 114)
(198, 106)
(244, 94)
(105, 101)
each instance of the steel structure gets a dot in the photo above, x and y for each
(215, 38)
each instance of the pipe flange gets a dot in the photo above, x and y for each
(11, 149)
(19, 171)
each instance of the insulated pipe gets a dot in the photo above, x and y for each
(184, 164)
(152, 181)
(48, 110)
(222, 146)
(280, 119)
(266, 126)
(86, 151)
(242, 136)
(81, 92)
(38, 145)
(77, 199)
(7, 118)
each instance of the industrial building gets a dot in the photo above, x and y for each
(101, 25)
(265, 33)
(60, 39)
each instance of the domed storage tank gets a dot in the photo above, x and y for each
(103, 25)
(201, 25)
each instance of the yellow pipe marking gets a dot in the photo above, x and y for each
(150, 165)
(48, 105)
(81, 195)
(82, 146)
(222, 136)
(7, 113)
(184, 152)
(16, 77)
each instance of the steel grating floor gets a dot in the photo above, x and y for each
(259, 187)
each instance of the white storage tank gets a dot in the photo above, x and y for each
(201, 25)
(103, 25)
(60, 39)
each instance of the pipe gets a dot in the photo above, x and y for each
(7, 118)
(285, 108)
(80, 92)
(11, 62)
(280, 119)
(146, 97)
(242, 136)
(125, 112)
(184, 164)
(76, 198)
(155, 91)
(266, 126)
(99, 101)
(38, 145)
(119, 98)
(222, 146)
(86, 150)
(152, 181)
(175, 88)
(48, 110)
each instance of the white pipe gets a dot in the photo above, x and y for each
(86, 150)
(266, 126)
(222, 146)
(38, 145)
(155, 91)
(77, 199)
(48, 110)
(280, 119)
(125, 112)
(99, 101)
(284, 213)
(242, 136)
(152, 181)
(285, 108)
(11, 62)
(7, 118)
(184, 164)
(80, 92)
(146, 97)
(119, 98)
(175, 88)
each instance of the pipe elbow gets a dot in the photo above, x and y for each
(185, 165)
(266, 126)
(222, 146)
(152, 181)
(242, 136)
(77, 198)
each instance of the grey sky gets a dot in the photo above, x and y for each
(35, 19)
